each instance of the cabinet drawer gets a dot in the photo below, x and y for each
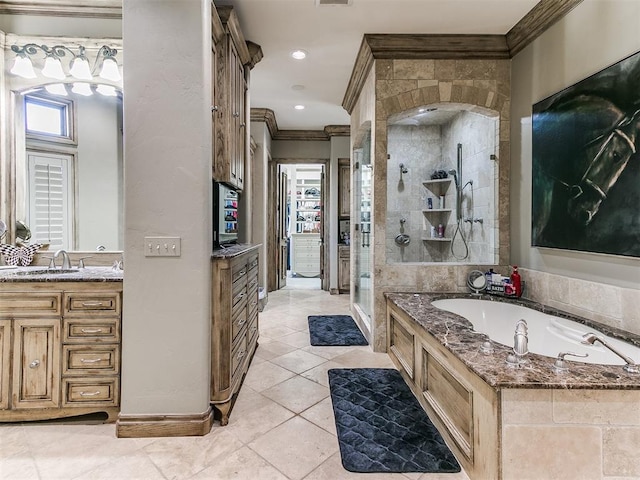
(238, 321)
(92, 304)
(252, 264)
(83, 330)
(237, 356)
(252, 329)
(252, 285)
(239, 272)
(91, 391)
(18, 304)
(91, 360)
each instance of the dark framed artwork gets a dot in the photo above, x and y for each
(586, 164)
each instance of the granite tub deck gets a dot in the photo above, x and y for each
(505, 422)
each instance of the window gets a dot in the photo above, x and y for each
(48, 119)
(51, 198)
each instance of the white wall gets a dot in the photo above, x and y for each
(596, 34)
(166, 314)
(340, 148)
(61, 26)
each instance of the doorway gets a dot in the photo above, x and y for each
(300, 226)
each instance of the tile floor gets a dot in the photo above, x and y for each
(281, 427)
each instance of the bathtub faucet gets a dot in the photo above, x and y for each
(630, 367)
(520, 343)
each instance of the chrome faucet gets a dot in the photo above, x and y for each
(630, 367)
(66, 262)
(520, 343)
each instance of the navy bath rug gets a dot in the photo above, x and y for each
(334, 330)
(382, 427)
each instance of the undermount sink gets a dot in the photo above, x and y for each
(46, 271)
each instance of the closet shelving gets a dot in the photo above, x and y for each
(308, 206)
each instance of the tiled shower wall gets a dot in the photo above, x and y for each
(423, 150)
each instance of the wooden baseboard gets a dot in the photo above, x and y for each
(138, 426)
(334, 291)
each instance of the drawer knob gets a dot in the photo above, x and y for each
(241, 354)
(34, 364)
(89, 394)
(92, 304)
(242, 322)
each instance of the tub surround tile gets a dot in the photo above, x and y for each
(456, 334)
(546, 443)
(620, 451)
(611, 407)
(521, 406)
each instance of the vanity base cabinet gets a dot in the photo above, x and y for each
(62, 347)
(234, 332)
(344, 269)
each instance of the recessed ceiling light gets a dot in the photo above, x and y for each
(297, 87)
(299, 107)
(299, 54)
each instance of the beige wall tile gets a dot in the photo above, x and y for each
(526, 406)
(535, 453)
(414, 69)
(630, 310)
(621, 452)
(613, 407)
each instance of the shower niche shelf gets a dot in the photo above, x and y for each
(438, 185)
(436, 239)
(437, 210)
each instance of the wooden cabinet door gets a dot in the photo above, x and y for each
(36, 363)
(5, 359)
(344, 269)
(344, 185)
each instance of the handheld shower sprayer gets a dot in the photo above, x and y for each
(630, 367)
(455, 177)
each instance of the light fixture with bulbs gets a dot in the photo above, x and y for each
(79, 66)
(299, 54)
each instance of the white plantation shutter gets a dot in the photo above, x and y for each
(50, 199)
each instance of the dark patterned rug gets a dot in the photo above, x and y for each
(334, 330)
(382, 427)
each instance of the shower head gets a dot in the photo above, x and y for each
(403, 169)
(455, 177)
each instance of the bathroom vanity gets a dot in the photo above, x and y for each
(506, 422)
(60, 343)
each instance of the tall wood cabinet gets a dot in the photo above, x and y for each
(234, 60)
(234, 322)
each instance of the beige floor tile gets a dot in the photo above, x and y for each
(272, 349)
(18, 467)
(12, 441)
(322, 415)
(331, 352)
(296, 447)
(182, 457)
(276, 331)
(265, 375)
(244, 464)
(298, 361)
(137, 466)
(250, 424)
(319, 374)
(364, 359)
(332, 469)
(297, 394)
(297, 339)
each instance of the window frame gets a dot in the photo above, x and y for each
(67, 108)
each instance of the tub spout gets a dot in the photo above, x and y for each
(630, 367)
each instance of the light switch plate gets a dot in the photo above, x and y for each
(161, 246)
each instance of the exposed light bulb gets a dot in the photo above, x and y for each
(23, 67)
(82, 88)
(299, 107)
(107, 90)
(80, 68)
(53, 68)
(56, 89)
(110, 70)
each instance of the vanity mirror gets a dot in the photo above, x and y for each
(65, 165)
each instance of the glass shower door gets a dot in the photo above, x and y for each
(363, 233)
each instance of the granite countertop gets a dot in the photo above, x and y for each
(231, 251)
(43, 274)
(456, 334)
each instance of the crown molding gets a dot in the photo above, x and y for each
(537, 21)
(415, 47)
(267, 116)
(111, 9)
